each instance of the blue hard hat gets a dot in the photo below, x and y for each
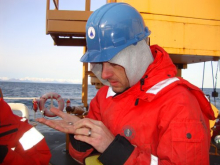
(112, 28)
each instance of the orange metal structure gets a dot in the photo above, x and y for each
(188, 30)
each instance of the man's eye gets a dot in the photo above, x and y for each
(97, 63)
(112, 64)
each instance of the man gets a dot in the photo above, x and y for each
(20, 143)
(144, 115)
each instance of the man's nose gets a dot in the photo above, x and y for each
(106, 70)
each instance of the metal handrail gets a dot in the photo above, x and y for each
(56, 4)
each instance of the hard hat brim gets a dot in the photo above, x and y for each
(101, 56)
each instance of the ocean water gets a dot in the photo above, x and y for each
(19, 92)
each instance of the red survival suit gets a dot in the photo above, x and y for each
(20, 143)
(160, 120)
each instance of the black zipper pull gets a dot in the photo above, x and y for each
(142, 83)
(136, 102)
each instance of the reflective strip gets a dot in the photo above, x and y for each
(23, 119)
(207, 98)
(159, 86)
(110, 92)
(154, 160)
(30, 138)
(154, 90)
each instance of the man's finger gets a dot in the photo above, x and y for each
(96, 122)
(50, 123)
(82, 131)
(88, 123)
(41, 120)
(58, 112)
(83, 123)
(86, 139)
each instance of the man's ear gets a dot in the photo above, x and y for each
(147, 41)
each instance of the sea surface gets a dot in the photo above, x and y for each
(20, 92)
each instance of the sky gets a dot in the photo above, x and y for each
(27, 53)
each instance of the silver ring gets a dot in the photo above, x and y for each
(70, 123)
(89, 133)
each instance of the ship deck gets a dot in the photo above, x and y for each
(57, 143)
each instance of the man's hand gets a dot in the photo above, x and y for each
(94, 133)
(87, 130)
(65, 125)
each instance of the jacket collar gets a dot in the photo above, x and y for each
(161, 72)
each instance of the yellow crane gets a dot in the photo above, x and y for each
(188, 30)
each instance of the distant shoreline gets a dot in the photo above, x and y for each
(40, 82)
(36, 82)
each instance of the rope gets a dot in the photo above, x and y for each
(203, 75)
(216, 76)
(214, 83)
(212, 76)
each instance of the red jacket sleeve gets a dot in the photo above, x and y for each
(37, 155)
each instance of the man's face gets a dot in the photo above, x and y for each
(116, 76)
